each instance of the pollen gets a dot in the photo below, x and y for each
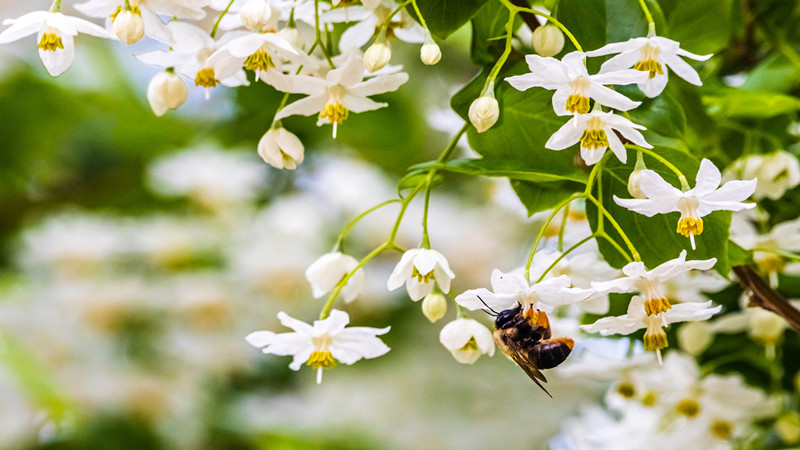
(688, 408)
(259, 61)
(471, 344)
(420, 277)
(656, 306)
(626, 390)
(689, 226)
(578, 104)
(594, 136)
(134, 9)
(771, 264)
(722, 429)
(51, 41)
(335, 112)
(206, 78)
(654, 338)
(321, 360)
(649, 399)
(649, 61)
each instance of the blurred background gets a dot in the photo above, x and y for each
(137, 252)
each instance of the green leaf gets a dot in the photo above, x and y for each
(656, 238)
(701, 26)
(487, 26)
(444, 17)
(739, 256)
(774, 74)
(542, 196)
(724, 103)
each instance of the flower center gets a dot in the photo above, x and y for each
(689, 223)
(722, 429)
(206, 78)
(259, 61)
(649, 399)
(471, 345)
(51, 41)
(322, 357)
(770, 262)
(649, 61)
(654, 301)
(688, 408)
(422, 278)
(654, 337)
(578, 103)
(594, 136)
(626, 390)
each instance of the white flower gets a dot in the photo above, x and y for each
(596, 132)
(511, 289)
(776, 172)
(582, 269)
(323, 344)
(327, 271)
(255, 14)
(166, 91)
(418, 269)
(573, 84)
(650, 55)
(55, 33)
(784, 236)
(547, 40)
(341, 91)
(281, 148)
(369, 18)
(258, 52)
(467, 340)
(637, 318)
(648, 282)
(707, 196)
(150, 11)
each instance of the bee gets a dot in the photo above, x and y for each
(525, 336)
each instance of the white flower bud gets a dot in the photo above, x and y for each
(548, 40)
(766, 327)
(635, 179)
(434, 306)
(467, 340)
(281, 149)
(430, 53)
(293, 36)
(377, 56)
(167, 90)
(129, 26)
(484, 112)
(695, 337)
(255, 14)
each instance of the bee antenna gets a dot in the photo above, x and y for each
(493, 312)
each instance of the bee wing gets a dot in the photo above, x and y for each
(521, 357)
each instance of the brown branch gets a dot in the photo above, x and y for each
(764, 296)
(528, 18)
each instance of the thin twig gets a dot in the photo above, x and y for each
(764, 296)
(528, 18)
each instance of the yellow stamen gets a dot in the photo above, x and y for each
(688, 408)
(206, 78)
(259, 61)
(690, 226)
(578, 104)
(649, 61)
(654, 338)
(626, 390)
(656, 306)
(470, 345)
(420, 277)
(321, 360)
(335, 112)
(770, 263)
(594, 136)
(51, 41)
(649, 399)
(722, 429)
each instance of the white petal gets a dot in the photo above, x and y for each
(312, 104)
(566, 136)
(260, 338)
(508, 283)
(653, 87)
(613, 99)
(296, 84)
(380, 84)
(418, 290)
(297, 325)
(358, 34)
(56, 62)
(682, 69)
(86, 27)
(25, 25)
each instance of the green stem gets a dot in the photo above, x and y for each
(219, 19)
(670, 166)
(506, 51)
(346, 230)
(563, 255)
(326, 309)
(318, 37)
(616, 226)
(388, 20)
(513, 9)
(788, 255)
(542, 231)
(56, 6)
(563, 227)
(419, 14)
(650, 23)
(614, 244)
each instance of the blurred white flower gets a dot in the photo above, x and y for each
(650, 55)
(511, 289)
(327, 271)
(419, 269)
(150, 11)
(467, 340)
(776, 172)
(706, 197)
(56, 33)
(323, 344)
(367, 19)
(582, 269)
(281, 148)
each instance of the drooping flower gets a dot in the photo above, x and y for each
(281, 148)
(655, 338)
(367, 20)
(776, 172)
(767, 247)
(648, 282)
(467, 340)
(323, 344)
(419, 268)
(582, 269)
(511, 289)
(650, 55)
(707, 196)
(55, 33)
(596, 132)
(327, 271)
(166, 91)
(341, 91)
(573, 85)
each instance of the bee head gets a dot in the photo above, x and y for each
(506, 317)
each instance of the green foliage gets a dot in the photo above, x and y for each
(444, 17)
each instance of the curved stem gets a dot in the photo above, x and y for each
(219, 19)
(563, 255)
(388, 19)
(544, 229)
(563, 227)
(650, 23)
(614, 244)
(664, 161)
(326, 309)
(419, 14)
(506, 51)
(318, 37)
(616, 226)
(515, 9)
(346, 230)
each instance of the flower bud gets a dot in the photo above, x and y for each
(430, 53)
(129, 26)
(635, 179)
(694, 337)
(281, 149)
(434, 306)
(548, 40)
(484, 112)
(255, 15)
(766, 327)
(292, 36)
(788, 427)
(167, 90)
(377, 56)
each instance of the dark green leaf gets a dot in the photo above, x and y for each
(701, 26)
(487, 26)
(444, 17)
(737, 103)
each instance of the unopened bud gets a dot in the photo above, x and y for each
(548, 40)
(635, 180)
(434, 306)
(788, 427)
(166, 91)
(129, 26)
(377, 56)
(694, 337)
(484, 112)
(255, 14)
(766, 327)
(281, 148)
(292, 36)
(430, 53)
